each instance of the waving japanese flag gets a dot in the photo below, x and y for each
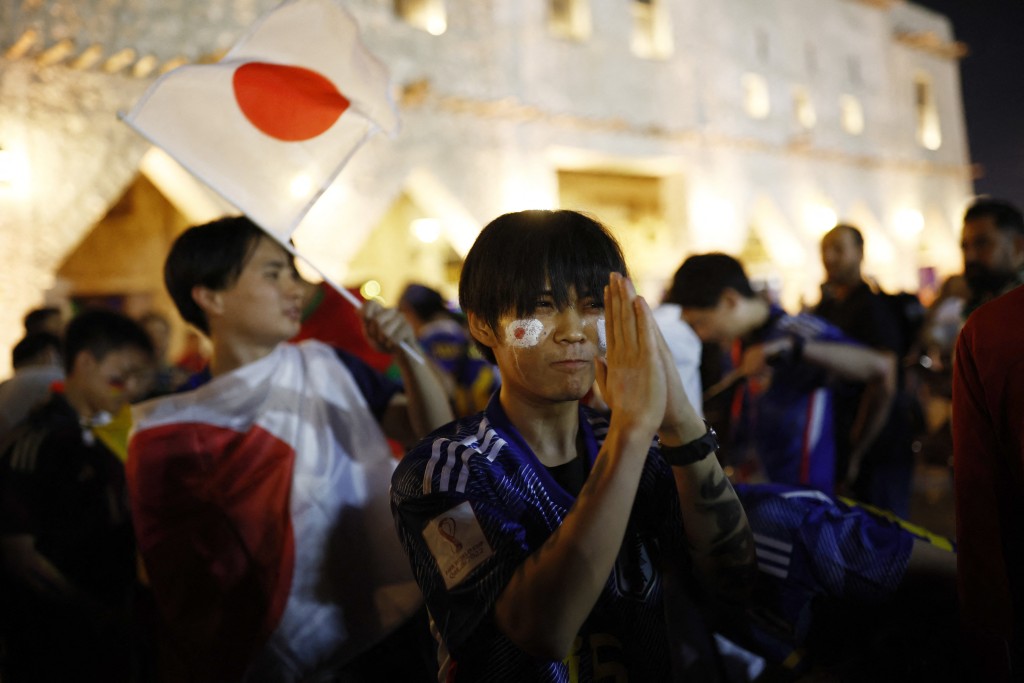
(271, 125)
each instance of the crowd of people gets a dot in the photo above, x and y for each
(551, 480)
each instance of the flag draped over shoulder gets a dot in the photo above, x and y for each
(273, 123)
(260, 502)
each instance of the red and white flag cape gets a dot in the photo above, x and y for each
(271, 125)
(260, 503)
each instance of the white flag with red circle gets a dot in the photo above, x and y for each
(272, 124)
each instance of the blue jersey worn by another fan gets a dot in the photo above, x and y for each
(472, 502)
(788, 423)
(811, 547)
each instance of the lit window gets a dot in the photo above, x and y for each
(929, 133)
(652, 30)
(569, 18)
(803, 107)
(756, 99)
(851, 115)
(428, 15)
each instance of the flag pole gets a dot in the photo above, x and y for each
(349, 296)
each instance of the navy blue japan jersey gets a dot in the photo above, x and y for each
(472, 502)
(811, 547)
(789, 422)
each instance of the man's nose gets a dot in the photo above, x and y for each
(569, 325)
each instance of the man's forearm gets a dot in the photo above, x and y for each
(716, 528)
(427, 403)
(551, 593)
(854, 363)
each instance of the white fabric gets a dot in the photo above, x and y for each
(352, 583)
(191, 112)
(686, 351)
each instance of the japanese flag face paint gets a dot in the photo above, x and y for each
(602, 335)
(524, 333)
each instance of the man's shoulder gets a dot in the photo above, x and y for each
(807, 325)
(445, 458)
(51, 428)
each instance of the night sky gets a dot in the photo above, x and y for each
(993, 88)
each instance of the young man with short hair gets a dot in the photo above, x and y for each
(553, 543)
(65, 532)
(260, 496)
(784, 371)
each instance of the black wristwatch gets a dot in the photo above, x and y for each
(694, 451)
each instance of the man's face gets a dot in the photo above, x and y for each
(264, 305)
(719, 324)
(841, 257)
(991, 255)
(548, 355)
(108, 383)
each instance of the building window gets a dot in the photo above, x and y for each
(853, 71)
(756, 99)
(851, 114)
(803, 108)
(811, 59)
(428, 15)
(929, 132)
(762, 46)
(652, 29)
(569, 18)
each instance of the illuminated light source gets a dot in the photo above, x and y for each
(931, 138)
(119, 60)
(803, 107)
(851, 114)
(436, 24)
(756, 99)
(819, 219)
(8, 167)
(301, 186)
(88, 58)
(56, 53)
(714, 222)
(426, 230)
(145, 66)
(370, 289)
(23, 44)
(908, 222)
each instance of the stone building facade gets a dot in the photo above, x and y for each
(748, 126)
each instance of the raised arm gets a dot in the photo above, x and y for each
(875, 369)
(425, 405)
(550, 595)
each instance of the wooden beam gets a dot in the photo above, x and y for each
(56, 53)
(23, 44)
(88, 58)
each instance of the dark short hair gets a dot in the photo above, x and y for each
(31, 346)
(212, 255)
(100, 331)
(1005, 215)
(424, 301)
(516, 254)
(35, 320)
(853, 231)
(702, 278)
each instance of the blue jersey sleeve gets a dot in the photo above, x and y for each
(377, 389)
(463, 538)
